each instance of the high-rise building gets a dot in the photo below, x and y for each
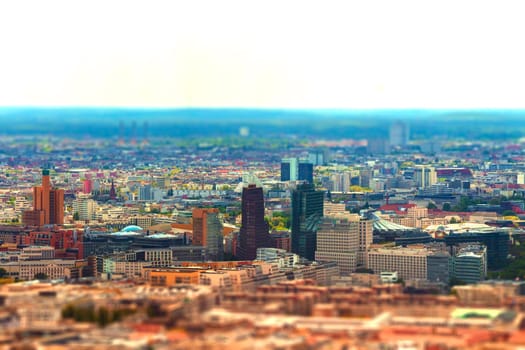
(307, 212)
(293, 169)
(87, 186)
(425, 176)
(289, 169)
(399, 134)
(48, 204)
(341, 182)
(207, 232)
(344, 238)
(85, 207)
(306, 172)
(254, 228)
(145, 193)
(338, 240)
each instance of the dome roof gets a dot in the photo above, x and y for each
(132, 228)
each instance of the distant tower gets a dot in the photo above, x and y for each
(254, 228)
(399, 134)
(121, 132)
(112, 191)
(134, 132)
(145, 133)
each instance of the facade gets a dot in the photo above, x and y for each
(48, 205)
(168, 277)
(338, 240)
(439, 267)
(409, 263)
(52, 268)
(307, 212)
(207, 232)
(470, 264)
(254, 228)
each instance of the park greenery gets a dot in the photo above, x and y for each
(87, 313)
(516, 267)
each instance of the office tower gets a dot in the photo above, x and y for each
(305, 172)
(341, 182)
(338, 240)
(319, 157)
(207, 232)
(48, 204)
(425, 176)
(85, 207)
(399, 134)
(307, 212)
(470, 263)
(145, 193)
(293, 169)
(289, 169)
(254, 228)
(378, 146)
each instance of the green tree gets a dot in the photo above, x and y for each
(76, 216)
(3, 273)
(68, 311)
(103, 317)
(453, 220)
(431, 206)
(447, 207)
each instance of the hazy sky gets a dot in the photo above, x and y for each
(291, 54)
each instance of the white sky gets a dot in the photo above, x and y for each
(284, 54)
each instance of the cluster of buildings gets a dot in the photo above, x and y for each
(305, 249)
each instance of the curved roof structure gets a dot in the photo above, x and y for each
(132, 228)
(385, 225)
(125, 234)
